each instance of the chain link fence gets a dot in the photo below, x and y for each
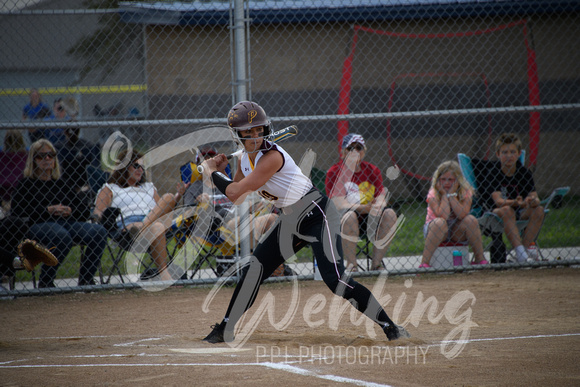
(421, 81)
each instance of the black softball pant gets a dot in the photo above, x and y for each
(313, 221)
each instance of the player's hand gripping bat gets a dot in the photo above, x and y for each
(277, 136)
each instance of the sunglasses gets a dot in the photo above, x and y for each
(356, 147)
(43, 155)
(137, 166)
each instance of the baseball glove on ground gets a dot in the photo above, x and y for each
(33, 253)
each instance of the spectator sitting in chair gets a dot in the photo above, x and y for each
(76, 154)
(448, 219)
(12, 163)
(35, 109)
(356, 188)
(140, 206)
(514, 195)
(51, 208)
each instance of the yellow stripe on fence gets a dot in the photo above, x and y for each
(78, 90)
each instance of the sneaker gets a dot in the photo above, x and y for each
(424, 266)
(482, 262)
(395, 332)
(511, 259)
(217, 333)
(17, 263)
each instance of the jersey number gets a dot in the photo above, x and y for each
(268, 196)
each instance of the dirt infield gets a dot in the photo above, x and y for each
(516, 328)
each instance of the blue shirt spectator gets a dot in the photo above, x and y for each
(35, 109)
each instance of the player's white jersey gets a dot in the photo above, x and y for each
(287, 186)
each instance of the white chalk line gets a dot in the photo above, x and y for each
(278, 366)
(470, 341)
(66, 337)
(136, 342)
(115, 355)
(333, 378)
(209, 351)
(128, 344)
(508, 338)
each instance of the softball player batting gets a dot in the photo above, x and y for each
(307, 216)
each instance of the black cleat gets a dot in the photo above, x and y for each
(217, 334)
(395, 332)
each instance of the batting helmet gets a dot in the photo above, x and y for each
(246, 115)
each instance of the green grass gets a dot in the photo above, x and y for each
(562, 226)
(561, 229)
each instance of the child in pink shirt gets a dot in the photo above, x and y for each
(448, 219)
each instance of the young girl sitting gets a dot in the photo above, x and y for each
(448, 219)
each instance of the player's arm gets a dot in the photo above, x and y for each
(238, 175)
(269, 164)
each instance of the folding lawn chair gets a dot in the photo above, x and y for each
(96, 178)
(212, 243)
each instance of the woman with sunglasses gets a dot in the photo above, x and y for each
(140, 205)
(52, 211)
